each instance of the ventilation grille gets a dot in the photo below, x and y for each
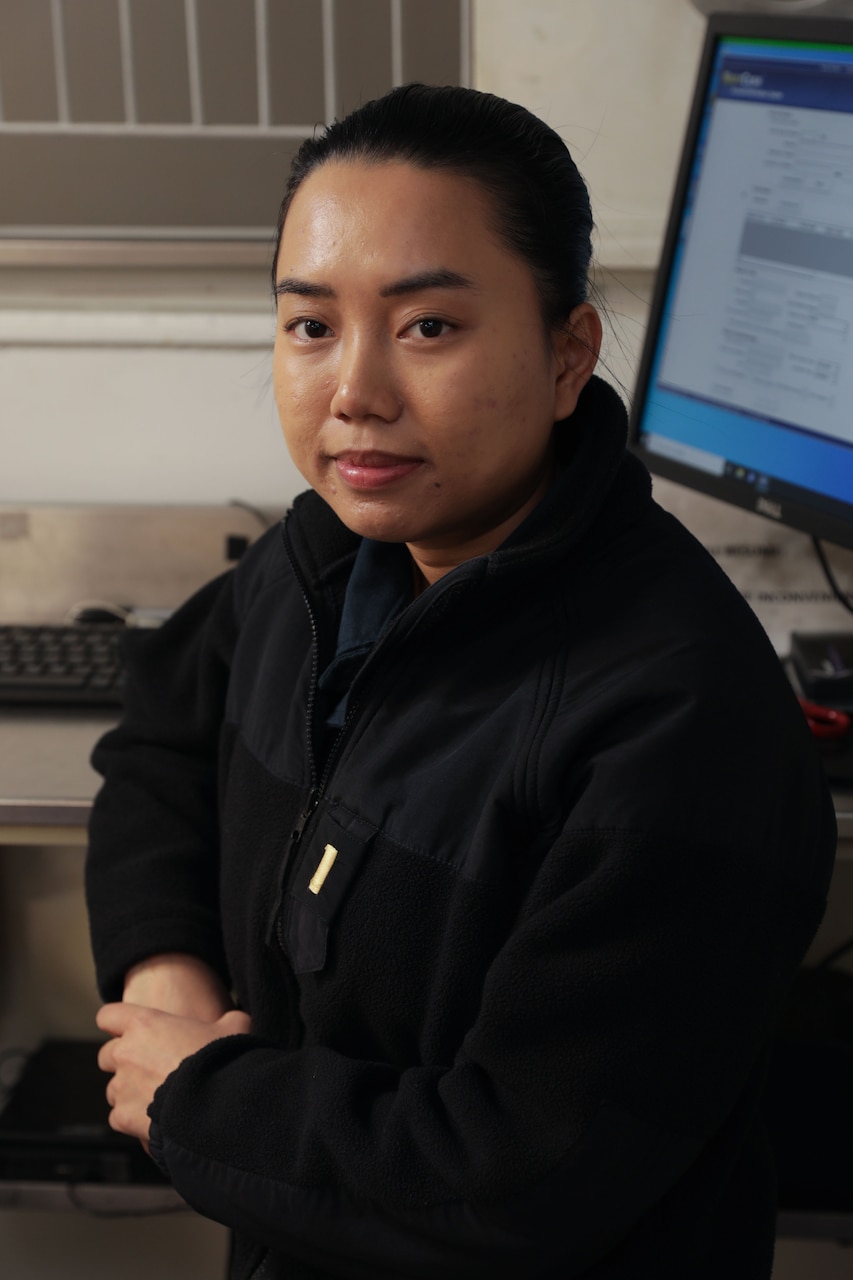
(178, 118)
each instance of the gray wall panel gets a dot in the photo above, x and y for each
(431, 41)
(93, 60)
(26, 60)
(229, 82)
(113, 182)
(159, 40)
(362, 51)
(295, 58)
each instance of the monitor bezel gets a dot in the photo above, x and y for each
(783, 509)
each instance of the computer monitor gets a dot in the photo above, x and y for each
(745, 388)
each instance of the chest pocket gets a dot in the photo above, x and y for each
(334, 852)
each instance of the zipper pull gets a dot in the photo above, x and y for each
(303, 820)
(273, 928)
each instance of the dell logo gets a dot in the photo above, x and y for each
(768, 508)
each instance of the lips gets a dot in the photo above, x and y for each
(373, 469)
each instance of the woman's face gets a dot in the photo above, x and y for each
(415, 381)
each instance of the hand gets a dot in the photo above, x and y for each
(180, 984)
(147, 1046)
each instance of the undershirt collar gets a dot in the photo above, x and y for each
(379, 589)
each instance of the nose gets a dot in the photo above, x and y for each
(365, 387)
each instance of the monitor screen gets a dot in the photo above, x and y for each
(745, 388)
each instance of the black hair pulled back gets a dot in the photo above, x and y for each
(541, 204)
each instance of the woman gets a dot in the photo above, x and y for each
(455, 852)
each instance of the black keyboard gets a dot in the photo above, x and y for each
(74, 664)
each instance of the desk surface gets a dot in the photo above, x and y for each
(47, 783)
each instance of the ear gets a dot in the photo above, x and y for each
(576, 349)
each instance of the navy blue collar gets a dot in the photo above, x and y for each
(381, 585)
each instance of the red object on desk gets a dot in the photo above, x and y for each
(825, 722)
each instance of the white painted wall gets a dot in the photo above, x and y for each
(140, 406)
(615, 79)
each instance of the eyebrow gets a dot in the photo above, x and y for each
(303, 288)
(438, 279)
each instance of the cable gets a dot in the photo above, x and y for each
(841, 596)
(262, 518)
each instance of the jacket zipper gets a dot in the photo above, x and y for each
(314, 797)
(318, 788)
(275, 922)
(290, 853)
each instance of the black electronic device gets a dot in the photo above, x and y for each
(54, 1126)
(745, 389)
(824, 666)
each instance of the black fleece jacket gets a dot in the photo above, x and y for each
(582, 843)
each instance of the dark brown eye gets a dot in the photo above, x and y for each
(431, 328)
(308, 328)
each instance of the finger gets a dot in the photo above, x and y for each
(106, 1056)
(130, 1121)
(235, 1023)
(124, 1013)
(115, 1018)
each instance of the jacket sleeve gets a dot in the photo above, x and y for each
(151, 872)
(620, 1023)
